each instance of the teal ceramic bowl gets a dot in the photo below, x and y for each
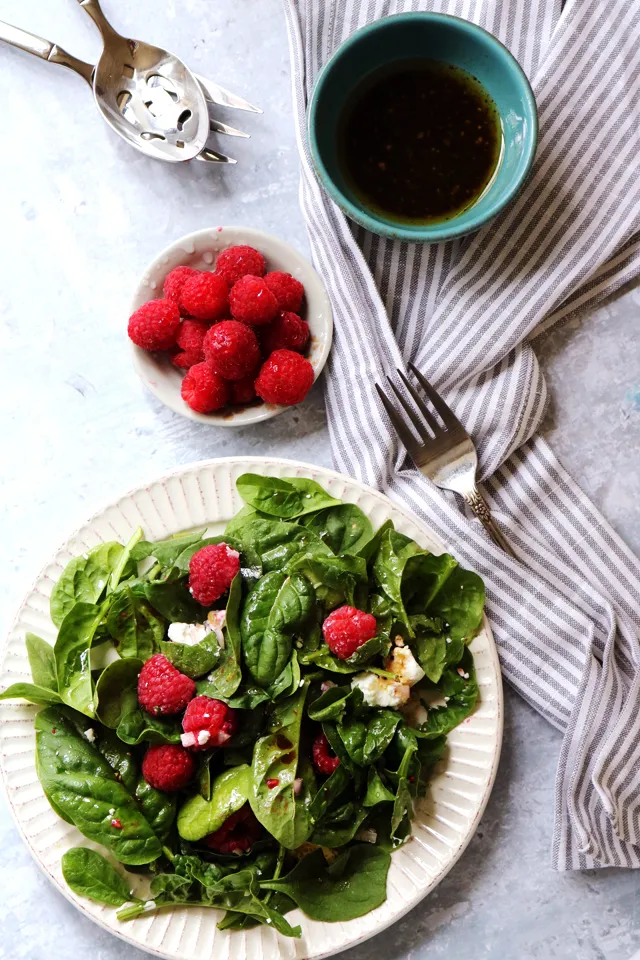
(434, 36)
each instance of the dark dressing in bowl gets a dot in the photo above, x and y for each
(420, 141)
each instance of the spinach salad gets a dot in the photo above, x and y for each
(327, 742)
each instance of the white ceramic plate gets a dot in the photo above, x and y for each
(199, 250)
(192, 497)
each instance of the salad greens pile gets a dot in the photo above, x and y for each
(325, 840)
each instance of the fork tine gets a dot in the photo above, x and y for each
(448, 416)
(216, 126)
(410, 412)
(212, 156)
(421, 405)
(217, 94)
(401, 428)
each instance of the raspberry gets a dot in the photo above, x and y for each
(323, 759)
(243, 391)
(205, 296)
(211, 570)
(231, 349)
(236, 262)
(167, 767)
(204, 390)
(287, 332)
(252, 302)
(346, 629)
(207, 723)
(175, 281)
(184, 360)
(285, 378)
(286, 289)
(163, 690)
(190, 336)
(154, 325)
(237, 834)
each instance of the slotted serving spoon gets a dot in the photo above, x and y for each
(147, 95)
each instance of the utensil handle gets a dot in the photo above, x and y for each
(481, 509)
(44, 49)
(94, 10)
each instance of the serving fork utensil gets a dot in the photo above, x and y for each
(441, 448)
(146, 94)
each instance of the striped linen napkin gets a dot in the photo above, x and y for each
(567, 617)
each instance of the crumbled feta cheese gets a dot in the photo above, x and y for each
(90, 735)
(189, 633)
(367, 835)
(188, 739)
(203, 737)
(381, 691)
(150, 905)
(405, 666)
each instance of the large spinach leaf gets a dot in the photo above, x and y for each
(83, 786)
(135, 627)
(439, 587)
(270, 544)
(117, 691)
(42, 662)
(31, 692)
(84, 579)
(352, 886)
(334, 578)
(435, 649)
(229, 792)
(72, 653)
(226, 678)
(90, 875)
(460, 688)
(274, 610)
(394, 553)
(288, 498)
(366, 739)
(275, 762)
(167, 551)
(345, 529)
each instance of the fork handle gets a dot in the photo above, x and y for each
(481, 509)
(94, 10)
(44, 49)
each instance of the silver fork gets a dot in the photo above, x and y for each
(444, 452)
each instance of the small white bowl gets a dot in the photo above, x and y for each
(199, 250)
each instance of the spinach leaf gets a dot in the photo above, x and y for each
(332, 704)
(275, 758)
(167, 551)
(271, 544)
(330, 790)
(366, 741)
(377, 792)
(90, 875)
(84, 579)
(229, 792)
(288, 498)
(226, 678)
(435, 651)
(403, 802)
(439, 587)
(139, 726)
(326, 660)
(352, 886)
(339, 826)
(196, 659)
(83, 786)
(462, 694)
(288, 682)
(370, 550)
(330, 730)
(394, 553)
(246, 698)
(345, 529)
(117, 691)
(72, 655)
(274, 610)
(31, 692)
(42, 662)
(173, 601)
(132, 623)
(121, 566)
(334, 578)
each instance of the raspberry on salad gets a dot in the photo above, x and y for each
(207, 723)
(231, 349)
(237, 834)
(287, 332)
(175, 281)
(286, 289)
(163, 690)
(346, 629)
(205, 296)
(251, 301)
(239, 261)
(154, 325)
(324, 760)
(211, 571)
(285, 378)
(167, 767)
(203, 390)
(243, 391)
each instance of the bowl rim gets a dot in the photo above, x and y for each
(249, 235)
(447, 230)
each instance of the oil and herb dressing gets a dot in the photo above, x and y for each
(420, 141)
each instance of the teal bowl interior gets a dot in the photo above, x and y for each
(431, 36)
